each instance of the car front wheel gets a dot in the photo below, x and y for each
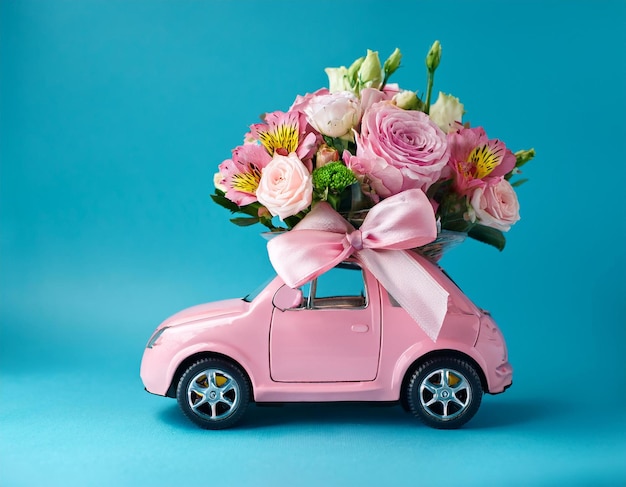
(444, 393)
(213, 393)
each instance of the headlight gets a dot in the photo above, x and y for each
(155, 337)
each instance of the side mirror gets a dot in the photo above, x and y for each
(287, 298)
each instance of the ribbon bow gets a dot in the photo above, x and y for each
(404, 221)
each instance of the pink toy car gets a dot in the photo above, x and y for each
(341, 337)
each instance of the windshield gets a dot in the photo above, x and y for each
(448, 276)
(250, 297)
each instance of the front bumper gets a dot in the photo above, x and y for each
(154, 371)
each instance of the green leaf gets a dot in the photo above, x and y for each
(292, 221)
(221, 200)
(245, 222)
(337, 143)
(519, 182)
(456, 223)
(488, 235)
(328, 140)
(252, 209)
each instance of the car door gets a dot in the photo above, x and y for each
(333, 335)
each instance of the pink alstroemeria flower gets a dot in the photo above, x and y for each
(477, 161)
(242, 173)
(286, 133)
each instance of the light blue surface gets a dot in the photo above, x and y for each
(113, 118)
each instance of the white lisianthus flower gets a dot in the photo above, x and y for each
(446, 112)
(338, 79)
(334, 114)
(218, 182)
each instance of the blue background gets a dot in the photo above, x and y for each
(113, 118)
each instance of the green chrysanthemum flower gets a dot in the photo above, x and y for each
(333, 178)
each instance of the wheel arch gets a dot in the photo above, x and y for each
(189, 361)
(447, 353)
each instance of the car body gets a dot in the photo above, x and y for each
(341, 337)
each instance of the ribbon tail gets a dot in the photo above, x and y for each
(410, 285)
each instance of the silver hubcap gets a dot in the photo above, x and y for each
(445, 394)
(213, 394)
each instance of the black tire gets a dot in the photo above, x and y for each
(444, 393)
(213, 393)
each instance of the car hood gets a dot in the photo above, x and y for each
(207, 310)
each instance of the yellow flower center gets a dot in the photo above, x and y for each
(284, 136)
(482, 160)
(247, 182)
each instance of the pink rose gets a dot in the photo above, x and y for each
(369, 96)
(407, 140)
(378, 179)
(286, 186)
(496, 206)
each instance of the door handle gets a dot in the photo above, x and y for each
(360, 328)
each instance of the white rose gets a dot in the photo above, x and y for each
(334, 114)
(496, 206)
(446, 111)
(285, 187)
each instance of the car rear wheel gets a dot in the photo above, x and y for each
(213, 393)
(444, 393)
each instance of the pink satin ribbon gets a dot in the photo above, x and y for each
(324, 238)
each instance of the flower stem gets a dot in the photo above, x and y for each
(432, 61)
(429, 90)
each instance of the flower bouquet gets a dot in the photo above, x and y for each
(364, 141)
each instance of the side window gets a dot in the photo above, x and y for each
(306, 292)
(340, 287)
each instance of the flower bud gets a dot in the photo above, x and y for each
(370, 75)
(325, 154)
(353, 70)
(407, 100)
(434, 56)
(523, 156)
(263, 212)
(392, 63)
